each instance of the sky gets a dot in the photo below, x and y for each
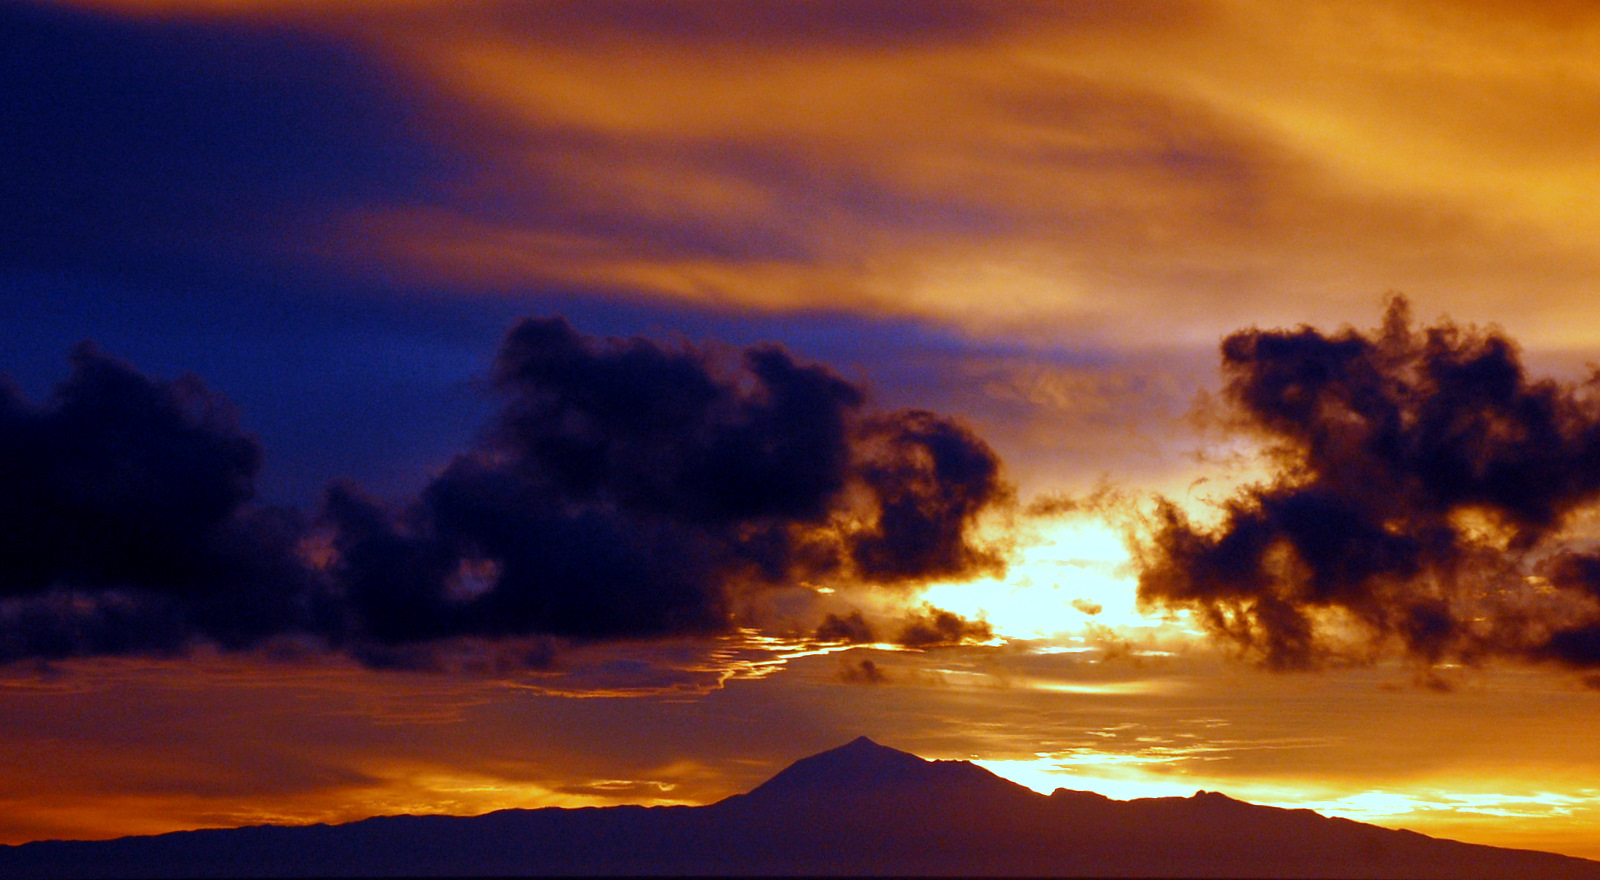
(439, 407)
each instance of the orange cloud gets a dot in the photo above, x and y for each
(1146, 173)
(1057, 176)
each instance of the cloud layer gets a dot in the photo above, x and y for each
(629, 489)
(626, 489)
(1098, 162)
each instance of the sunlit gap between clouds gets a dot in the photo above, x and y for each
(1070, 590)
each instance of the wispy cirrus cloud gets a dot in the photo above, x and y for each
(1099, 163)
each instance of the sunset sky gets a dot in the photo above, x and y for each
(452, 405)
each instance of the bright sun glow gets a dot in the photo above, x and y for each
(1076, 575)
(1117, 776)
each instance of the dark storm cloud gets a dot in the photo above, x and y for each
(125, 525)
(115, 478)
(1420, 489)
(166, 149)
(490, 555)
(931, 480)
(631, 489)
(852, 628)
(627, 489)
(935, 627)
(927, 627)
(658, 431)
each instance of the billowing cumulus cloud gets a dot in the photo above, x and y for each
(1424, 494)
(125, 522)
(626, 489)
(631, 489)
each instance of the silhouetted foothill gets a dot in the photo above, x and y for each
(1420, 483)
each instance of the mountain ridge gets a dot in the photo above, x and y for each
(861, 809)
(871, 768)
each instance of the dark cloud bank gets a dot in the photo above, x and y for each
(1425, 493)
(626, 489)
(925, 628)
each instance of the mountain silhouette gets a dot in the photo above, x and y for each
(863, 770)
(861, 809)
